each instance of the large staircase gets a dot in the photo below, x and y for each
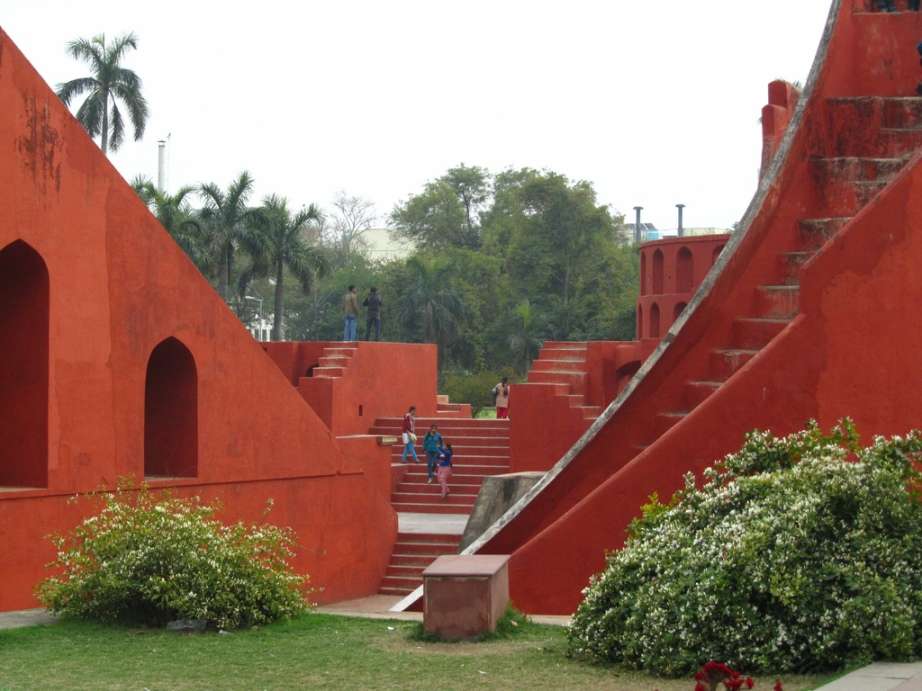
(481, 449)
(564, 364)
(850, 180)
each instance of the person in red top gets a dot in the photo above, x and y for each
(501, 399)
(409, 435)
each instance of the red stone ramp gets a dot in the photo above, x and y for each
(105, 288)
(809, 313)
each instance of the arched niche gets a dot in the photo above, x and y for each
(658, 272)
(685, 270)
(654, 321)
(23, 367)
(643, 273)
(171, 412)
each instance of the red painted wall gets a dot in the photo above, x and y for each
(381, 379)
(118, 287)
(848, 352)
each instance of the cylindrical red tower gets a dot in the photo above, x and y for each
(670, 272)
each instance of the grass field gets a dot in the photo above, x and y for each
(315, 651)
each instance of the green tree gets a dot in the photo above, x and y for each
(442, 215)
(427, 306)
(228, 224)
(176, 216)
(284, 237)
(522, 340)
(108, 84)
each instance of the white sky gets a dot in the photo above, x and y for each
(654, 101)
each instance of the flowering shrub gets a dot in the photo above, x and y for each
(148, 559)
(799, 553)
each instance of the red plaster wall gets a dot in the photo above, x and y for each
(849, 351)
(119, 286)
(382, 379)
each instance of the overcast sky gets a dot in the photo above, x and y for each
(655, 102)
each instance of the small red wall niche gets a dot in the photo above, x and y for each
(171, 412)
(23, 367)
(685, 271)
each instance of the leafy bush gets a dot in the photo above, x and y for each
(800, 553)
(149, 559)
(464, 387)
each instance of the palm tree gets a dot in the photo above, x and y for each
(109, 84)
(176, 216)
(427, 303)
(522, 341)
(228, 224)
(286, 247)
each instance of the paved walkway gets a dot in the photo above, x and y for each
(433, 523)
(25, 617)
(881, 676)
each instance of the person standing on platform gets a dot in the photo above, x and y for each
(350, 314)
(373, 314)
(501, 399)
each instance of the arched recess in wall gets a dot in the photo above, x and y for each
(640, 333)
(643, 273)
(658, 271)
(685, 271)
(654, 321)
(717, 251)
(23, 367)
(171, 412)
(678, 310)
(624, 374)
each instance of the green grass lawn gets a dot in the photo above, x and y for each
(315, 651)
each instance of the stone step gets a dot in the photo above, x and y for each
(429, 550)
(857, 168)
(466, 446)
(467, 462)
(425, 488)
(333, 361)
(412, 559)
(663, 422)
(696, 392)
(576, 380)
(440, 507)
(557, 353)
(816, 231)
(542, 365)
(791, 265)
(755, 332)
(400, 585)
(723, 363)
(405, 570)
(328, 372)
(459, 499)
(423, 423)
(590, 412)
(781, 301)
(463, 475)
(339, 351)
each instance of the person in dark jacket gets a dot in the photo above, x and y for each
(373, 316)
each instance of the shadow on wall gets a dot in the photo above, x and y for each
(23, 367)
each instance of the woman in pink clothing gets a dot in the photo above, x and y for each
(444, 471)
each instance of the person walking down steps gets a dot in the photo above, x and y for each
(445, 469)
(409, 435)
(432, 445)
(501, 399)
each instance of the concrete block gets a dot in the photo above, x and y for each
(497, 494)
(465, 595)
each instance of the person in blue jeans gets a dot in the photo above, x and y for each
(409, 435)
(350, 314)
(432, 445)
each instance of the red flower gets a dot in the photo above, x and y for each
(778, 686)
(733, 684)
(701, 687)
(749, 683)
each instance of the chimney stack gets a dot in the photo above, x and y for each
(161, 165)
(638, 230)
(681, 208)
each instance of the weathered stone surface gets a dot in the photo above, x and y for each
(497, 494)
